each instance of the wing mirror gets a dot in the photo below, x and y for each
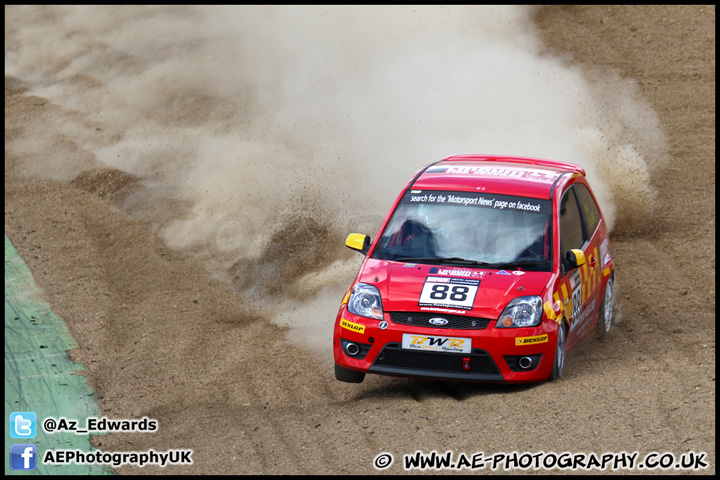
(574, 258)
(358, 242)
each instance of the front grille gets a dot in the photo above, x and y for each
(395, 357)
(421, 319)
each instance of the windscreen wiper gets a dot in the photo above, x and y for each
(523, 263)
(447, 260)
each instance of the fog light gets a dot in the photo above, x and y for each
(525, 362)
(352, 349)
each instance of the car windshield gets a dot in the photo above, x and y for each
(470, 229)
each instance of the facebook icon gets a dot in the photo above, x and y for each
(23, 456)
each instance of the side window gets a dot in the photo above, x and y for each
(589, 208)
(571, 232)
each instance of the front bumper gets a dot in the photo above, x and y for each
(497, 354)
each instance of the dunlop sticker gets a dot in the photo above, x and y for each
(355, 327)
(531, 340)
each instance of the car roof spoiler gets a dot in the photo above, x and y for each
(524, 160)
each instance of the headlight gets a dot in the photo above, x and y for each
(365, 301)
(521, 312)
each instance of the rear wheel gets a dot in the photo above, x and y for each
(346, 375)
(606, 310)
(559, 365)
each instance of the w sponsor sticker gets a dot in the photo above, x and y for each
(437, 344)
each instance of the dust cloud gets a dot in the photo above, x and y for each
(259, 136)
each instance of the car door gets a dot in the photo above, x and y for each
(579, 288)
(596, 234)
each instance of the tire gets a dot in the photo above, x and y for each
(559, 363)
(346, 375)
(605, 317)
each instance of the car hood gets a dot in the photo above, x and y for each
(401, 286)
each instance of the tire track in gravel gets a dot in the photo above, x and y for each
(291, 442)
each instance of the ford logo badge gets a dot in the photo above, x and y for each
(438, 321)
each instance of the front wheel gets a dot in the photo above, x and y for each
(346, 375)
(559, 365)
(606, 310)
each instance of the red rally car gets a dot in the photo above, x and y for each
(487, 269)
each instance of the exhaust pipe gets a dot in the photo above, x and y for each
(352, 349)
(525, 362)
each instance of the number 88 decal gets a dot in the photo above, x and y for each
(453, 292)
(459, 292)
(576, 304)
